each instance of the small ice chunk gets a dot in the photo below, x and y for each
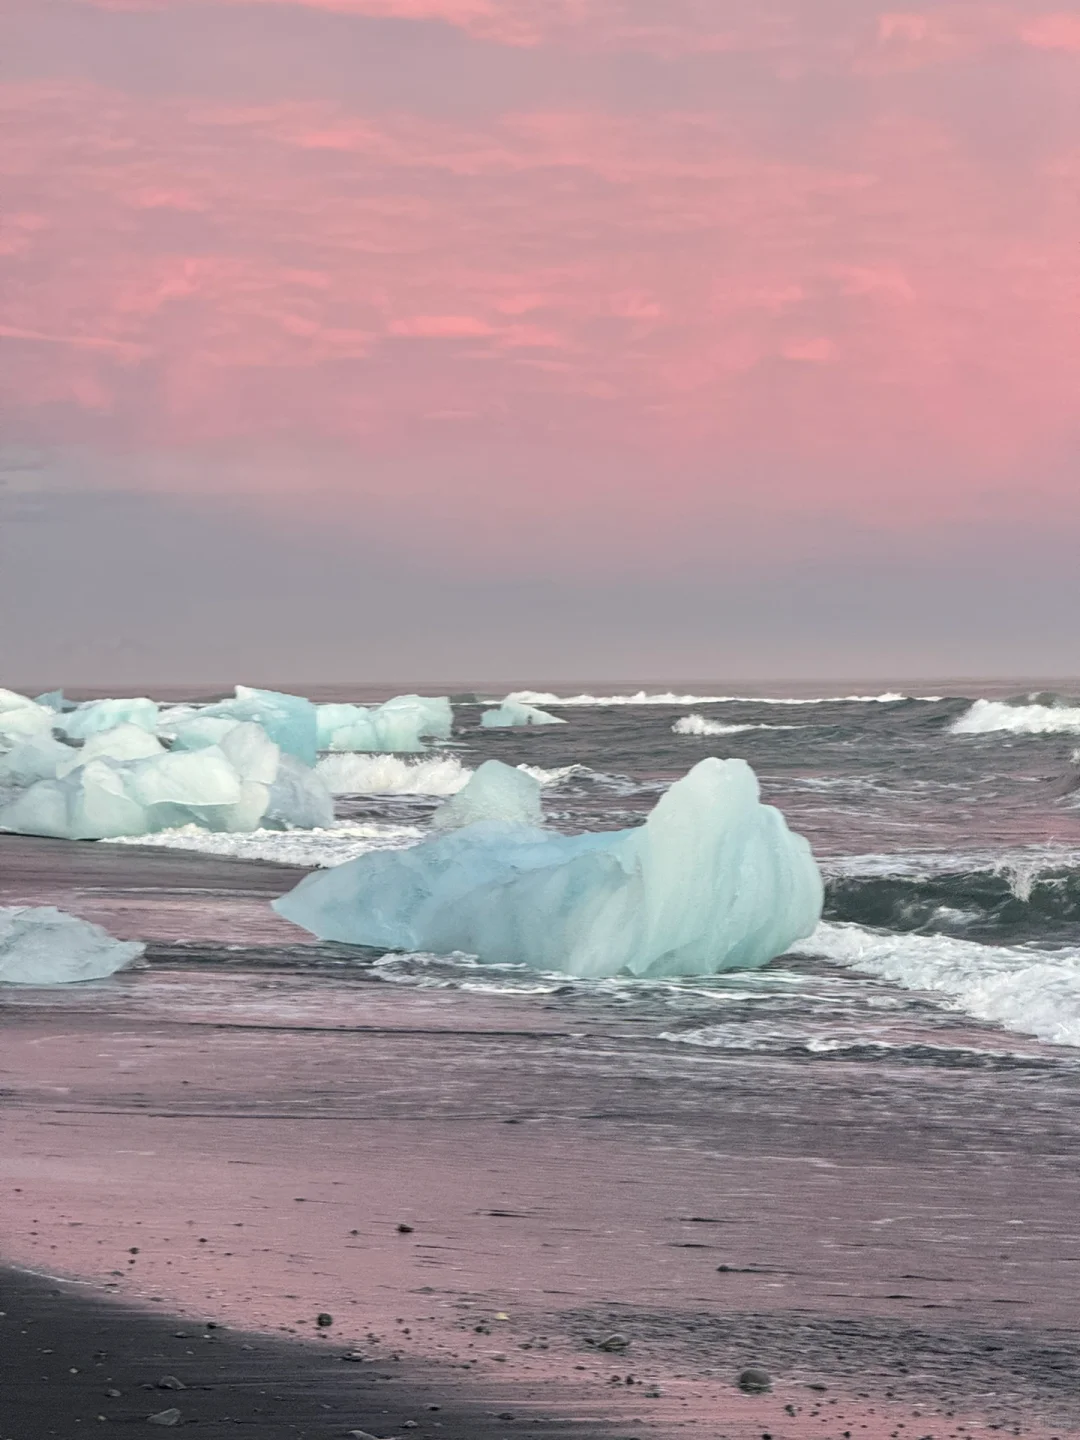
(40, 945)
(54, 700)
(289, 720)
(495, 792)
(712, 881)
(512, 713)
(96, 715)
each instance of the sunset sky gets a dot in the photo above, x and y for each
(365, 339)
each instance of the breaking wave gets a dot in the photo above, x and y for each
(987, 717)
(359, 774)
(699, 725)
(643, 697)
(1025, 893)
(1031, 992)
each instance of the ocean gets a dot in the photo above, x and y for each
(945, 822)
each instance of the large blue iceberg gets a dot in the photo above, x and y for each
(712, 881)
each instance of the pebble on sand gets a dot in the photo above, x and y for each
(164, 1417)
(754, 1382)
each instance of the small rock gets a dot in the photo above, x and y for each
(113, 1394)
(355, 1355)
(754, 1382)
(409, 1424)
(164, 1417)
(404, 1229)
(360, 1435)
(614, 1344)
(323, 1320)
(170, 1382)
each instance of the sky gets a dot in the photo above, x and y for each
(363, 340)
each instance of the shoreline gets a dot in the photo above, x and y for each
(241, 1144)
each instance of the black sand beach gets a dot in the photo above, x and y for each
(231, 1135)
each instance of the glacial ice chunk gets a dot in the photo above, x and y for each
(515, 712)
(21, 718)
(241, 784)
(123, 742)
(40, 945)
(37, 758)
(713, 880)
(199, 731)
(495, 792)
(96, 715)
(289, 720)
(396, 725)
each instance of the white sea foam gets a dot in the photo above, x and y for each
(989, 716)
(643, 697)
(699, 725)
(1032, 992)
(316, 849)
(364, 774)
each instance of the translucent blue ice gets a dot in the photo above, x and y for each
(97, 715)
(123, 783)
(397, 725)
(495, 792)
(40, 945)
(289, 720)
(713, 880)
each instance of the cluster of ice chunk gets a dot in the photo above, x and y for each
(124, 781)
(106, 769)
(43, 946)
(713, 880)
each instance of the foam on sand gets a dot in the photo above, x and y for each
(713, 880)
(40, 945)
(989, 716)
(1028, 991)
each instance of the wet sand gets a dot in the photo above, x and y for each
(229, 1136)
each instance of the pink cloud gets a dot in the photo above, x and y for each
(1053, 32)
(210, 274)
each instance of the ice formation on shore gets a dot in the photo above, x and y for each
(399, 724)
(713, 880)
(124, 782)
(512, 713)
(40, 945)
(289, 720)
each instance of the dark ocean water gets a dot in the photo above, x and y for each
(947, 826)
